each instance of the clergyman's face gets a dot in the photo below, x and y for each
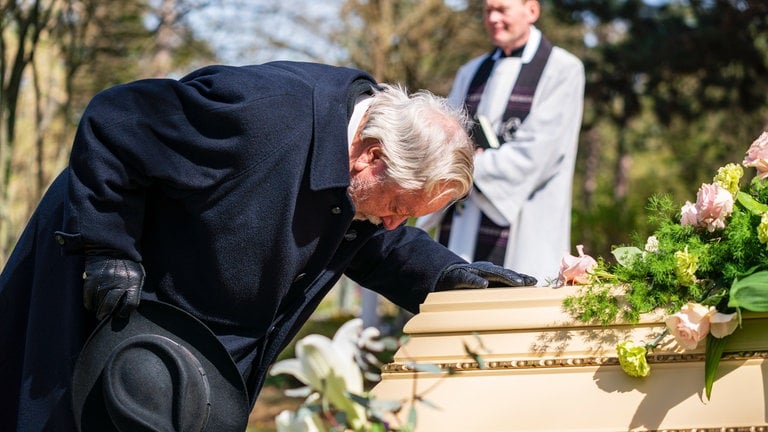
(508, 22)
(383, 202)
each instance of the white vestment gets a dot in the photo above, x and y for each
(527, 182)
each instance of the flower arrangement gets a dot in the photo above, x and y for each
(705, 264)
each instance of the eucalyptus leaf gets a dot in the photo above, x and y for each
(480, 342)
(475, 356)
(412, 417)
(625, 255)
(426, 367)
(430, 404)
(385, 405)
(360, 400)
(750, 293)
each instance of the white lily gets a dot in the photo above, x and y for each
(302, 420)
(345, 340)
(360, 343)
(327, 367)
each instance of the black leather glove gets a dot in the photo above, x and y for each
(479, 275)
(112, 285)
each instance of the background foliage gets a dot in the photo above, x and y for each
(674, 88)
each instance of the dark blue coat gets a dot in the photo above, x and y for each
(229, 185)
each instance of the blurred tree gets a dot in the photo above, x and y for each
(106, 43)
(418, 43)
(675, 90)
(55, 55)
(22, 25)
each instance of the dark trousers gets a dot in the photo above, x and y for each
(491, 243)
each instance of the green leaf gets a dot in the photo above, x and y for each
(751, 204)
(360, 400)
(713, 300)
(715, 347)
(750, 293)
(378, 427)
(625, 255)
(412, 416)
(475, 356)
(382, 406)
(480, 343)
(426, 367)
(430, 404)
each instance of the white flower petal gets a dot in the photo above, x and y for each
(721, 325)
(345, 339)
(320, 359)
(304, 392)
(290, 367)
(369, 340)
(301, 421)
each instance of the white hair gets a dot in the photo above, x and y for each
(424, 140)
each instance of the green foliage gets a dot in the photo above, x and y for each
(652, 279)
(596, 303)
(704, 260)
(660, 114)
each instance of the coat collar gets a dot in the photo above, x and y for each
(329, 164)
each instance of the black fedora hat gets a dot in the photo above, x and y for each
(160, 369)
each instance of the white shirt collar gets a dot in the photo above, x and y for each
(534, 39)
(361, 106)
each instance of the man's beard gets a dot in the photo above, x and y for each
(361, 190)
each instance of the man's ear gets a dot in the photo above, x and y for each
(534, 10)
(371, 158)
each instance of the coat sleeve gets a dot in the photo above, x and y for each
(547, 139)
(403, 265)
(176, 136)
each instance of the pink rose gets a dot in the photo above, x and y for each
(690, 325)
(757, 156)
(721, 325)
(575, 269)
(713, 205)
(689, 214)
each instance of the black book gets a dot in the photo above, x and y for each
(482, 134)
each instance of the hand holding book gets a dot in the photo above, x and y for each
(483, 135)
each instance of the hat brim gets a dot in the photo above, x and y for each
(228, 397)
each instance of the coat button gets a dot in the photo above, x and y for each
(336, 210)
(60, 239)
(350, 235)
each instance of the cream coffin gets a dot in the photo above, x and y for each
(546, 372)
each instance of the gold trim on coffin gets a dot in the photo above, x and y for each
(539, 361)
(722, 429)
(399, 367)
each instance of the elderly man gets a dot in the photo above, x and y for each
(238, 195)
